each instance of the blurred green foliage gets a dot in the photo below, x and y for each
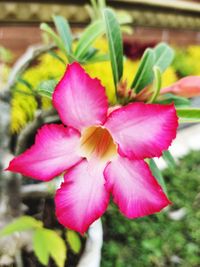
(157, 240)
(6, 55)
(6, 58)
(187, 60)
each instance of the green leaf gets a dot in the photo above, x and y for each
(90, 54)
(114, 37)
(45, 27)
(102, 4)
(95, 7)
(157, 84)
(177, 100)
(188, 114)
(21, 224)
(144, 74)
(26, 83)
(124, 18)
(47, 243)
(167, 156)
(164, 56)
(74, 241)
(64, 31)
(56, 56)
(46, 88)
(157, 174)
(90, 34)
(161, 56)
(98, 58)
(40, 247)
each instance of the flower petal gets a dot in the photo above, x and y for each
(82, 198)
(54, 151)
(143, 130)
(186, 87)
(79, 99)
(134, 189)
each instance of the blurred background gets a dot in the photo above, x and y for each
(170, 238)
(173, 21)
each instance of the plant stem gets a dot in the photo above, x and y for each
(92, 254)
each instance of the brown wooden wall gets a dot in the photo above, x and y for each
(18, 38)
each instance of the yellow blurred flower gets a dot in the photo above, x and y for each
(24, 104)
(169, 77)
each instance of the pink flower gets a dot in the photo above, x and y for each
(103, 152)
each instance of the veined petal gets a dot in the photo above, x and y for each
(54, 151)
(82, 198)
(79, 99)
(133, 187)
(143, 130)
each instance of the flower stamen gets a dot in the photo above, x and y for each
(97, 141)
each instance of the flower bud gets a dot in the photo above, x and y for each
(186, 87)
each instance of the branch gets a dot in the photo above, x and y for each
(41, 117)
(38, 190)
(20, 66)
(92, 254)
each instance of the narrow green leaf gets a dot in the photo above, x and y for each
(98, 58)
(167, 156)
(157, 174)
(26, 83)
(64, 31)
(188, 114)
(90, 34)
(157, 84)
(164, 56)
(21, 224)
(93, 56)
(114, 37)
(52, 244)
(90, 53)
(45, 27)
(177, 100)
(55, 55)
(46, 88)
(144, 74)
(161, 56)
(102, 4)
(74, 241)
(95, 7)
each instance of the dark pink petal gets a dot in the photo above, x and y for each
(133, 187)
(79, 99)
(54, 151)
(82, 198)
(143, 130)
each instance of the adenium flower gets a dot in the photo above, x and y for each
(101, 151)
(186, 87)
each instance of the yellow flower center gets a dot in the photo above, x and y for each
(97, 141)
